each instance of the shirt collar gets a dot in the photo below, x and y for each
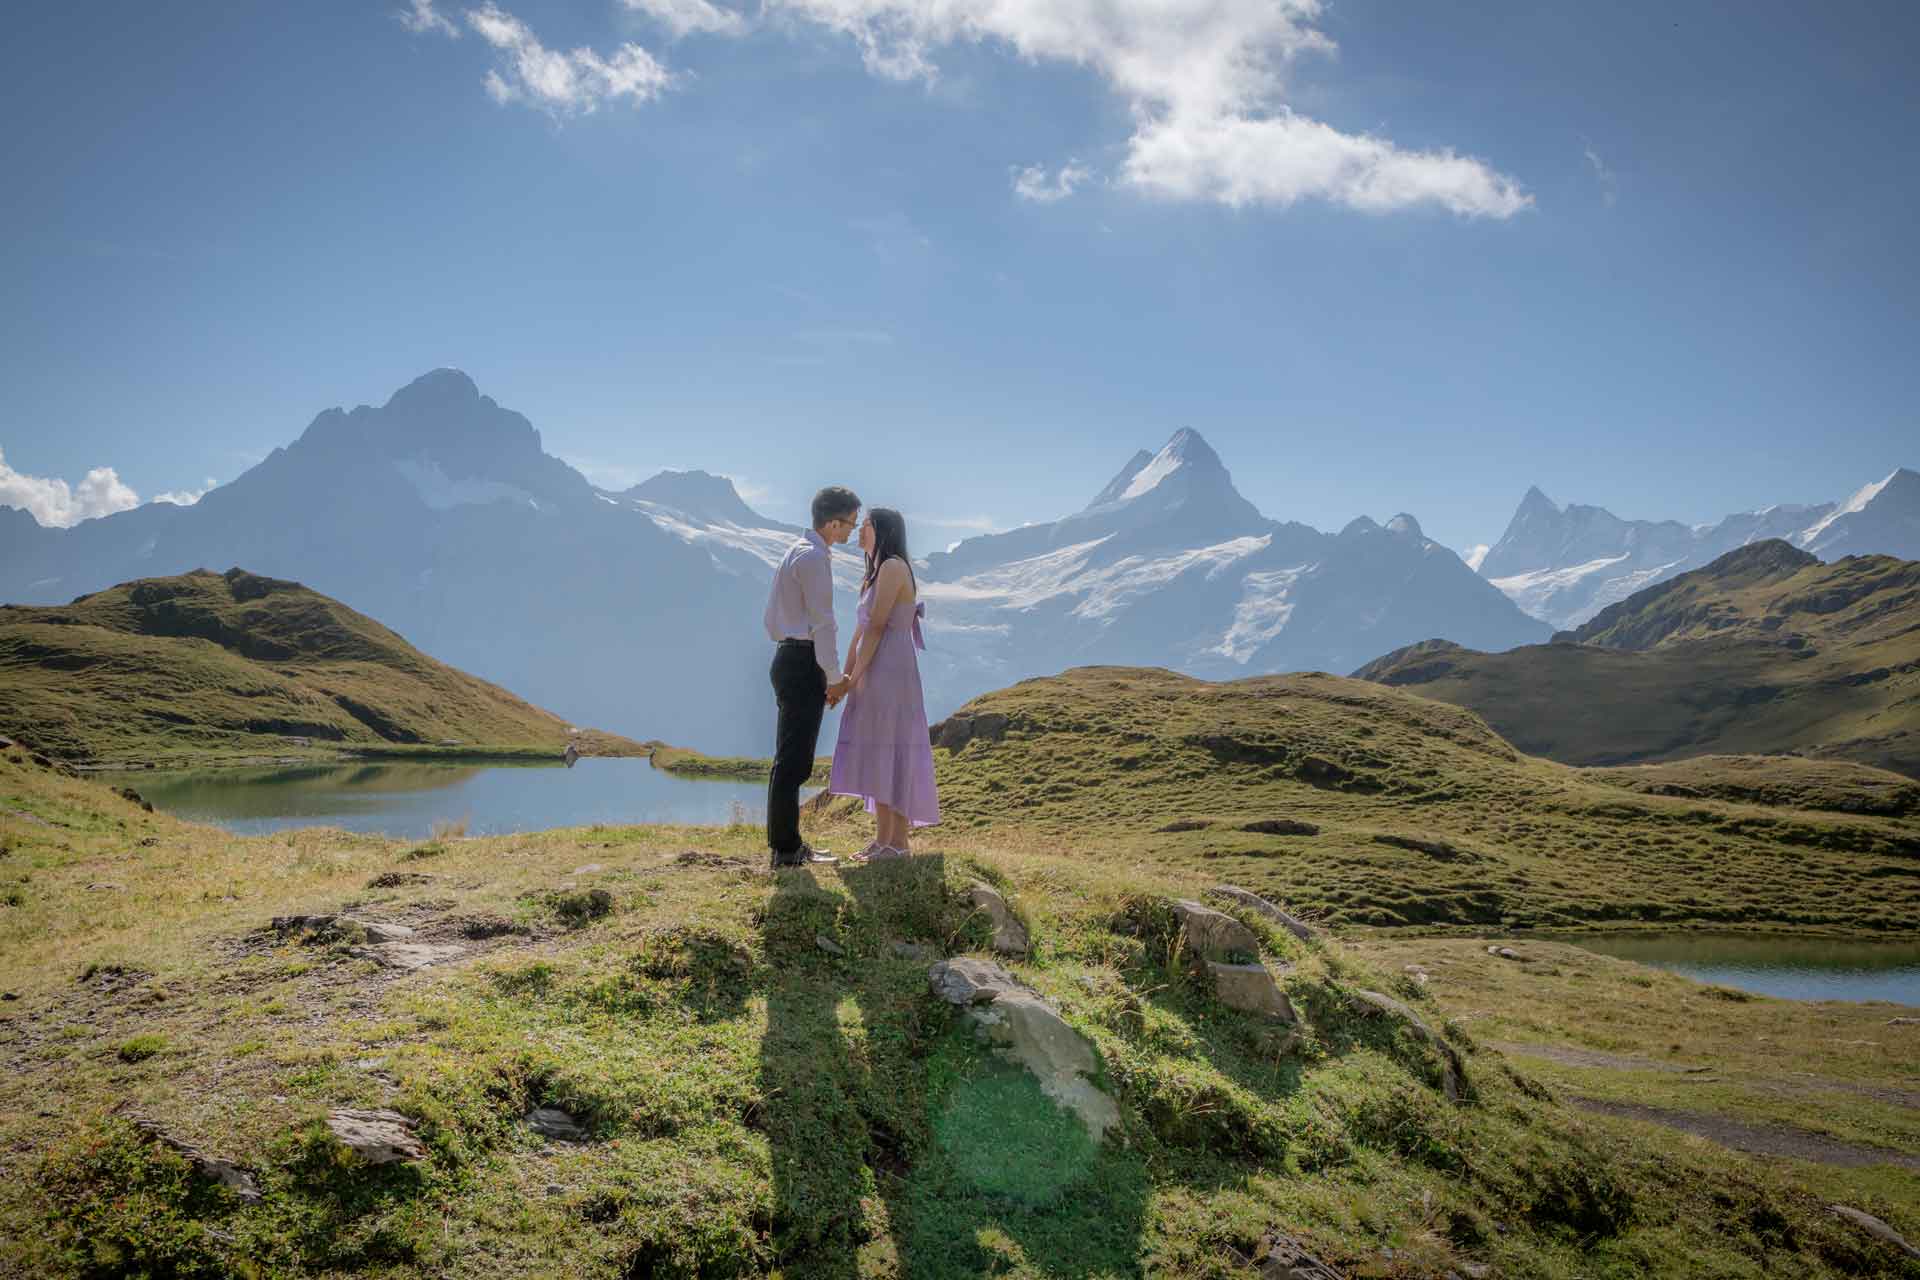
(813, 536)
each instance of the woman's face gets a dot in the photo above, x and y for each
(866, 535)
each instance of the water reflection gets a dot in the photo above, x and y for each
(406, 798)
(1793, 968)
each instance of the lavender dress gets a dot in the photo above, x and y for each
(883, 755)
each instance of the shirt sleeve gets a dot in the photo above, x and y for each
(815, 574)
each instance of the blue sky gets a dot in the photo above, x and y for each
(1383, 256)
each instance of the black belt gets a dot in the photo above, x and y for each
(797, 640)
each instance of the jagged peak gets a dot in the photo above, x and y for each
(1405, 524)
(1359, 526)
(436, 388)
(1537, 500)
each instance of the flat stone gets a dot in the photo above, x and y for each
(1213, 935)
(409, 955)
(1250, 989)
(1298, 928)
(1505, 953)
(1010, 937)
(1875, 1228)
(378, 1137)
(965, 980)
(1903, 1022)
(588, 869)
(828, 945)
(383, 933)
(551, 1122)
(1031, 1032)
(1450, 1057)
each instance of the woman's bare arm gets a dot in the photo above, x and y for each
(887, 591)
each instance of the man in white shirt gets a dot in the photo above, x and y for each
(806, 666)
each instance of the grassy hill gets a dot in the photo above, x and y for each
(1370, 805)
(1766, 650)
(764, 1085)
(233, 664)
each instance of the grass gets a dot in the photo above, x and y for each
(1763, 652)
(236, 666)
(756, 1105)
(688, 763)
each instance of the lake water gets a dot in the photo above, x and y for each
(1795, 968)
(405, 798)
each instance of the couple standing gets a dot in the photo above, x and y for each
(883, 755)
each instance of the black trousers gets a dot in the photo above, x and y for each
(800, 689)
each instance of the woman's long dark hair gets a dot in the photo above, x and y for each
(889, 541)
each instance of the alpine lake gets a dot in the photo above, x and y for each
(409, 799)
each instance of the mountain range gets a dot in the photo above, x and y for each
(1566, 564)
(1766, 650)
(441, 514)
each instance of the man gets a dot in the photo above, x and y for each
(806, 666)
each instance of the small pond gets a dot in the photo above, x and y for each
(406, 798)
(1794, 968)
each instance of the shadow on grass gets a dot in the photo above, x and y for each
(897, 1140)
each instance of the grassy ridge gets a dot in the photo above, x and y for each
(235, 665)
(1766, 650)
(1416, 813)
(688, 763)
(755, 1104)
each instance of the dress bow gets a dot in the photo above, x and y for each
(919, 612)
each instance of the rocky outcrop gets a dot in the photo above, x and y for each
(957, 730)
(1228, 953)
(1298, 928)
(1010, 937)
(378, 1137)
(225, 1172)
(1875, 1228)
(1214, 935)
(1028, 1030)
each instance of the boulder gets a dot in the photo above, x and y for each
(1505, 953)
(1250, 989)
(1903, 1022)
(225, 1172)
(1214, 935)
(1450, 1057)
(378, 1137)
(1875, 1228)
(552, 1122)
(966, 981)
(1010, 937)
(1298, 928)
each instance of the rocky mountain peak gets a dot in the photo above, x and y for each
(1406, 525)
(698, 493)
(438, 390)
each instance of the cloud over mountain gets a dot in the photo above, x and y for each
(58, 505)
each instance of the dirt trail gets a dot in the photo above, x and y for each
(1768, 1140)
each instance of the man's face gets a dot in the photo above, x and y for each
(838, 531)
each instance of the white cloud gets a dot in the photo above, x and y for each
(419, 17)
(1609, 183)
(186, 497)
(1032, 182)
(1204, 80)
(684, 17)
(573, 83)
(56, 504)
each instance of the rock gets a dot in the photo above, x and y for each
(551, 1122)
(1031, 1032)
(1281, 1257)
(966, 981)
(378, 1137)
(572, 754)
(133, 797)
(383, 933)
(1250, 989)
(1475, 1270)
(555, 1189)
(1010, 937)
(408, 955)
(225, 1172)
(107, 886)
(1505, 953)
(1450, 1057)
(587, 870)
(1875, 1228)
(330, 927)
(828, 945)
(1418, 974)
(398, 879)
(1214, 935)
(1903, 1022)
(957, 730)
(1298, 928)
(917, 952)
(1185, 824)
(1281, 827)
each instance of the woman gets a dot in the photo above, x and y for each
(883, 755)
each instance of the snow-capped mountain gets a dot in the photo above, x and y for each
(1565, 564)
(440, 514)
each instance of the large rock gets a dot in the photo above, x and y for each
(408, 955)
(1028, 1030)
(1298, 928)
(1875, 1228)
(1009, 935)
(1250, 989)
(1450, 1057)
(378, 1137)
(225, 1172)
(552, 1122)
(1214, 935)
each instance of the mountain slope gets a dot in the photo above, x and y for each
(1566, 564)
(1765, 650)
(236, 663)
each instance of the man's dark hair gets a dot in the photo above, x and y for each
(834, 503)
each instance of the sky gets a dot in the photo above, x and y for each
(969, 255)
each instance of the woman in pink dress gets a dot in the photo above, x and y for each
(883, 755)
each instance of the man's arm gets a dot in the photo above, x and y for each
(815, 573)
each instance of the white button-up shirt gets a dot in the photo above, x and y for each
(800, 604)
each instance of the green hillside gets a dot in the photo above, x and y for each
(234, 665)
(1371, 805)
(1765, 651)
